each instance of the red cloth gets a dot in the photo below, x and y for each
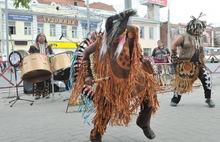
(160, 61)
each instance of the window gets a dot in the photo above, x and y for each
(20, 42)
(40, 28)
(63, 30)
(27, 28)
(11, 26)
(84, 32)
(52, 30)
(141, 32)
(151, 33)
(205, 39)
(74, 32)
(147, 51)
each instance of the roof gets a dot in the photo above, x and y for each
(102, 6)
(63, 2)
(81, 3)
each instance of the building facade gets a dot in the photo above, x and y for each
(52, 19)
(66, 19)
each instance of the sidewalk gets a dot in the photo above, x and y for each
(47, 121)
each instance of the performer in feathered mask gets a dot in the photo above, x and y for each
(117, 55)
(190, 63)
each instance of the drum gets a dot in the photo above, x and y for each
(23, 53)
(35, 68)
(61, 65)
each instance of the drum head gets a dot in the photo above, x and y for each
(23, 53)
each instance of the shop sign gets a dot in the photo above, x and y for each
(20, 17)
(63, 44)
(55, 20)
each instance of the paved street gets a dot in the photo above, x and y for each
(47, 121)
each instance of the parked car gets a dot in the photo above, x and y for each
(212, 54)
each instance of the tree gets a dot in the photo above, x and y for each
(22, 3)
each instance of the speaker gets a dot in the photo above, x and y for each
(28, 87)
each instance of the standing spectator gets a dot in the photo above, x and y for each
(4, 62)
(160, 54)
(1, 63)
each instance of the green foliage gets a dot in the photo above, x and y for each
(22, 3)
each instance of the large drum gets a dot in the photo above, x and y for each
(35, 68)
(61, 65)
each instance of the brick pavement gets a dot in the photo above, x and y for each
(47, 121)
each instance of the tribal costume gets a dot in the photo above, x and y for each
(190, 64)
(117, 55)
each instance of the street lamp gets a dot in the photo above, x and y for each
(88, 20)
(7, 32)
(168, 26)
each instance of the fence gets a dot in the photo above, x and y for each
(213, 68)
(4, 78)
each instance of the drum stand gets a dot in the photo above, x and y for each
(18, 97)
(52, 76)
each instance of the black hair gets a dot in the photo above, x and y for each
(36, 40)
(160, 41)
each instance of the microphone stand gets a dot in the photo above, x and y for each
(68, 39)
(16, 84)
(76, 49)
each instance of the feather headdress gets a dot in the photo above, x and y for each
(195, 25)
(115, 28)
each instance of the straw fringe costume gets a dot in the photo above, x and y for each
(190, 64)
(129, 87)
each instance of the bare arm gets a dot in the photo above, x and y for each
(174, 57)
(178, 41)
(89, 50)
(152, 56)
(152, 59)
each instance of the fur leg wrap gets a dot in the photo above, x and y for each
(174, 57)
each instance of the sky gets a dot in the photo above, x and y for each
(180, 10)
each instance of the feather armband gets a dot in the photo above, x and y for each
(86, 68)
(174, 57)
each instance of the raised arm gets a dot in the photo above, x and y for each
(89, 50)
(178, 41)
